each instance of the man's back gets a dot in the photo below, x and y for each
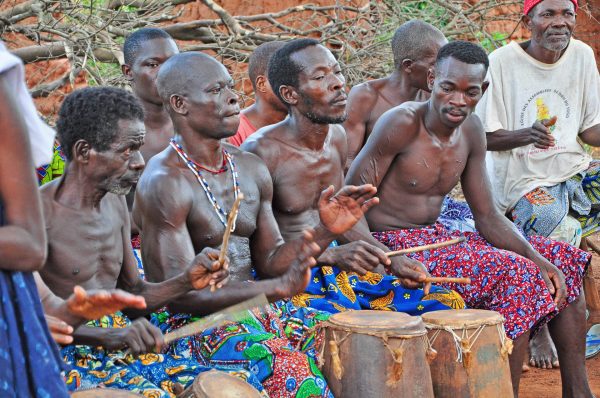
(366, 103)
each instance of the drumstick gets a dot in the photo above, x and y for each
(230, 220)
(432, 246)
(442, 279)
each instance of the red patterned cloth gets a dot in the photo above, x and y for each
(501, 281)
(529, 4)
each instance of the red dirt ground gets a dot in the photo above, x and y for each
(538, 383)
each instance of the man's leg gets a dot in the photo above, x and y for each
(516, 360)
(568, 332)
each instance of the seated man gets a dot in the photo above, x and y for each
(267, 108)
(415, 155)
(86, 219)
(180, 205)
(305, 153)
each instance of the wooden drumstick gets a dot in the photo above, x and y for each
(432, 246)
(442, 279)
(230, 220)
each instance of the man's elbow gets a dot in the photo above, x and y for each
(34, 257)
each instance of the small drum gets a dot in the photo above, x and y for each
(216, 384)
(472, 354)
(376, 354)
(104, 393)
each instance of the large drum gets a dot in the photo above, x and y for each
(472, 354)
(216, 384)
(104, 393)
(376, 354)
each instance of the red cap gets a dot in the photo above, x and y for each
(529, 4)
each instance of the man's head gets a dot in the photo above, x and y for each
(257, 71)
(458, 81)
(145, 50)
(101, 130)
(415, 45)
(551, 22)
(307, 77)
(198, 91)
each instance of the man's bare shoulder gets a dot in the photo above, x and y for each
(402, 119)
(47, 194)
(366, 94)
(472, 129)
(267, 143)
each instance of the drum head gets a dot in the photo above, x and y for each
(104, 393)
(378, 322)
(223, 385)
(462, 318)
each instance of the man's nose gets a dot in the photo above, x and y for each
(137, 161)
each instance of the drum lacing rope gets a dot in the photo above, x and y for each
(463, 344)
(507, 344)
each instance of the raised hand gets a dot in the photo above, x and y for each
(340, 212)
(205, 269)
(60, 331)
(94, 304)
(297, 278)
(357, 256)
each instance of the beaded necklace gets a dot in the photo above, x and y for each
(211, 198)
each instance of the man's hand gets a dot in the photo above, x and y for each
(357, 256)
(411, 273)
(555, 281)
(205, 269)
(297, 278)
(539, 134)
(340, 212)
(141, 337)
(60, 331)
(94, 304)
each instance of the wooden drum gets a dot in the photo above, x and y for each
(104, 393)
(376, 354)
(472, 354)
(216, 384)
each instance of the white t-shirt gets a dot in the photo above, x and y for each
(523, 90)
(41, 136)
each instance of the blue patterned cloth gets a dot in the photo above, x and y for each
(29, 362)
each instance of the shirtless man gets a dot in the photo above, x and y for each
(416, 154)
(414, 45)
(267, 108)
(305, 153)
(85, 213)
(180, 204)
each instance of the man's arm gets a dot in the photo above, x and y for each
(490, 223)
(392, 133)
(361, 100)
(504, 140)
(22, 237)
(591, 136)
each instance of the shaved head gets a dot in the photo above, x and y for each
(259, 60)
(182, 73)
(413, 38)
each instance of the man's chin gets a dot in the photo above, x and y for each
(327, 119)
(120, 190)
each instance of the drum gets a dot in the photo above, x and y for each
(375, 354)
(216, 384)
(104, 393)
(472, 354)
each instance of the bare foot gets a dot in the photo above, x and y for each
(526, 368)
(542, 351)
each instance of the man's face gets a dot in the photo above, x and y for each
(551, 23)
(421, 67)
(151, 55)
(212, 104)
(321, 86)
(457, 87)
(121, 165)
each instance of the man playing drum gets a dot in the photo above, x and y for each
(416, 153)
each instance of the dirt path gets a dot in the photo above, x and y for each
(539, 383)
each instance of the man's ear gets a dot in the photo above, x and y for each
(526, 21)
(289, 95)
(430, 78)
(261, 83)
(126, 69)
(178, 104)
(484, 87)
(82, 151)
(407, 65)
